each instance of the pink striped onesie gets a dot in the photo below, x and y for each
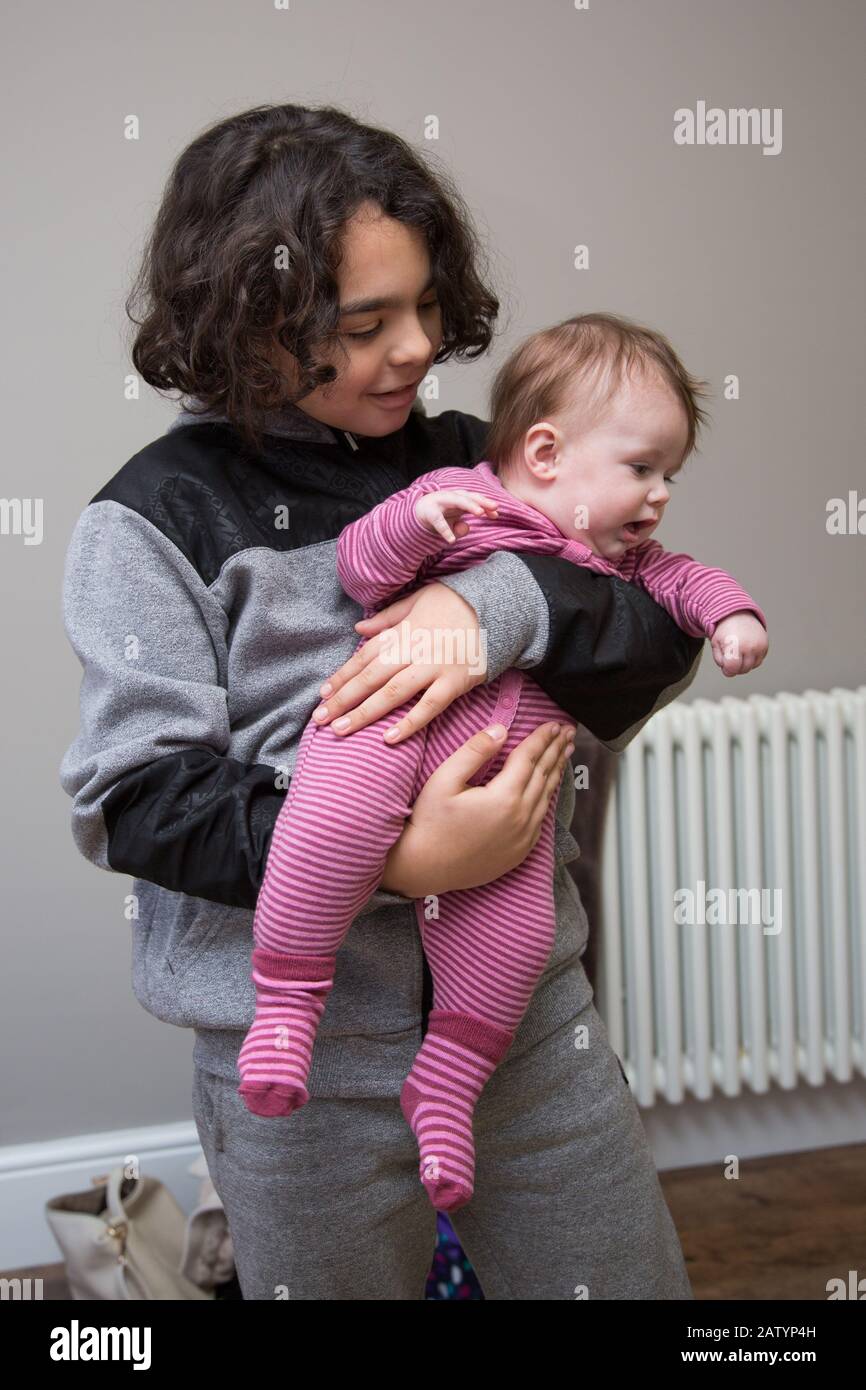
(346, 806)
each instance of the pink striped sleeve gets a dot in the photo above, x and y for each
(696, 596)
(381, 552)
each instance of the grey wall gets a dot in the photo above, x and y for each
(558, 125)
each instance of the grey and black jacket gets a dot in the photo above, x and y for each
(205, 627)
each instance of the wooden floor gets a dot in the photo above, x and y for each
(779, 1231)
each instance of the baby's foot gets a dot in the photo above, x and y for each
(457, 1057)
(275, 1056)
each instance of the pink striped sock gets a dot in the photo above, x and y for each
(456, 1059)
(274, 1060)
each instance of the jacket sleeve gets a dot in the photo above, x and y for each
(154, 793)
(602, 648)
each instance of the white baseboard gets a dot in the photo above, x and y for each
(30, 1174)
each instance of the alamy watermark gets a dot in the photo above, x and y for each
(737, 126)
(728, 907)
(436, 646)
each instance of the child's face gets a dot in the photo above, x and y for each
(386, 347)
(593, 483)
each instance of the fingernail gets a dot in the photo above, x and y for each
(555, 728)
(495, 730)
(341, 723)
(326, 688)
(392, 734)
(320, 712)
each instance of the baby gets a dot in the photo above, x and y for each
(591, 422)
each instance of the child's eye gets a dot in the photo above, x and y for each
(672, 482)
(370, 332)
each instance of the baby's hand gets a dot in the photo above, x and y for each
(435, 509)
(739, 643)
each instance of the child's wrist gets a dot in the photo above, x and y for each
(408, 872)
(395, 879)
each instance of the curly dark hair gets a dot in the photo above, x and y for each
(245, 248)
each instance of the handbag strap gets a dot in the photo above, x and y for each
(117, 1226)
(114, 1200)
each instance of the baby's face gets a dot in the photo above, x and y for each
(608, 486)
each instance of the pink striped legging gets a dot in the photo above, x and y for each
(487, 946)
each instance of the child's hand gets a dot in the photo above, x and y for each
(739, 643)
(377, 679)
(436, 509)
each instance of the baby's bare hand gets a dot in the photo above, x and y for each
(739, 643)
(436, 509)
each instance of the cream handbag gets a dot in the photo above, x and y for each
(125, 1238)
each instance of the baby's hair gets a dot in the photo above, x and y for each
(211, 292)
(572, 370)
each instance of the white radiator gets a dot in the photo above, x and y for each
(732, 951)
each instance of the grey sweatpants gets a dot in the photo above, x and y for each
(327, 1203)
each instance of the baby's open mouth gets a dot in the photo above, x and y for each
(634, 528)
